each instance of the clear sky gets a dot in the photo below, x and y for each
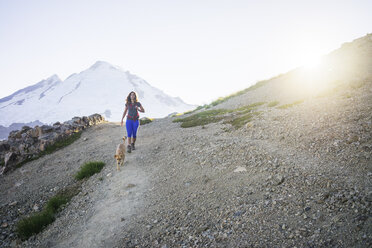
(198, 50)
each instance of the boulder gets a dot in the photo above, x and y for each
(76, 120)
(15, 135)
(4, 146)
(10, 160)
(46, 129)
(35, 132)
(25, 129)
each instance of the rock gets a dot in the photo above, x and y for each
(240, 169)
(35, 132)
(25, 129)
(46, 129)
(130, 185)
(35, 207)
(4, 146)
(279, 179)
(29, 142)
(352, 139)
(15, 135)
(9, 158)
(76, 120)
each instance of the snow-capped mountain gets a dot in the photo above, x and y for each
(100, 89)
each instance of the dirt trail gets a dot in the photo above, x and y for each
(106, 202)
(113, 204)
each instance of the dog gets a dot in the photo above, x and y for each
(120, 154)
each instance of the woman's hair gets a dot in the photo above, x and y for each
(128, 97)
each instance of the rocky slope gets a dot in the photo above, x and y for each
(291, 177)
(295, 176)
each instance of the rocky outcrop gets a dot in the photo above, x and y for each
(4, 131)
(29, 143)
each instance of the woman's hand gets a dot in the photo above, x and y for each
(121, 124)
(140, 109)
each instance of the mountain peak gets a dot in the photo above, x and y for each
(99, 89)
(101, 64)
(53, 78)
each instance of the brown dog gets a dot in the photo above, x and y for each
(120, 154)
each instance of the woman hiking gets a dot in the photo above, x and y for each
(132, 106)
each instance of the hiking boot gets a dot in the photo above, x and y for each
(133, 148)
(129, 149)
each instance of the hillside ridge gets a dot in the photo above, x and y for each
(294, 177)
(297, 173)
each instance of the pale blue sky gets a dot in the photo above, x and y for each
(197, 50)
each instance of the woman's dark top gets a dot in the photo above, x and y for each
(132, 111)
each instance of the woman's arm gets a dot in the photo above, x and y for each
(141, 109)
(125, 112)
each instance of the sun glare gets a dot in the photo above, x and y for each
(312, 62)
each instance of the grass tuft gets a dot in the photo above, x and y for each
(239, 117)
(145, 120)
(202, 118)
(56, 202)
(248, 108)
(37, 222)
(240, 121)
(272, 104)
(89, 169)
(285, 106)
(243, 119)
(34, 224)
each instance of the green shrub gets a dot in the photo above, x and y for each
(202, 118)
(89, 169)
(273, 104)
(248, 108)
(145, 120)
(37, 222)
(285, 106)
(200, 122)
(241, 120)
(56, 202)
(187, 112)
(243, 115)
(34, 224)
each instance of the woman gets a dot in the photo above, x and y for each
(132, 106)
